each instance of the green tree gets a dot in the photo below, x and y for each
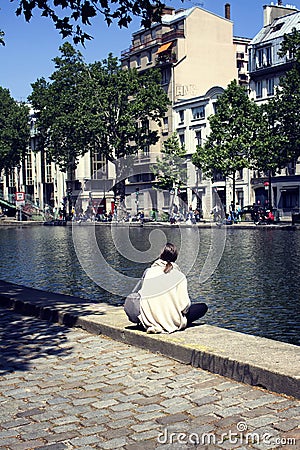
(279, 130)
(170, 170)
(98, 107)
(14, 131)
(233, 135)
(286, 103)
(71, 17)
(123, 106)
(60, 110)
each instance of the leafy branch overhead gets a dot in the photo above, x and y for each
(2, 34)
(71, 16)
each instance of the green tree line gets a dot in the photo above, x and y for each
(102, 108)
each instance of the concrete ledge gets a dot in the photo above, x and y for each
(249, 359)
(205, 224)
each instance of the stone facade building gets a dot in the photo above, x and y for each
(265, 70)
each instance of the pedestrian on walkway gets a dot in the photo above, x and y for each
(165, 305)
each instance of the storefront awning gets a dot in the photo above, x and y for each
(289, 188)
(164, 47)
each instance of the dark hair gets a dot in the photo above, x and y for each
(169, 254)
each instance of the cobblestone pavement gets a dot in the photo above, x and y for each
(62, 388)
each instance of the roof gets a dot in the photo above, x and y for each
(279, 27)
(168, 19)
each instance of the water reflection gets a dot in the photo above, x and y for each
(254, 289)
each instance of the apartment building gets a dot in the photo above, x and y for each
(198, 57)
(193, 49)
(265, 69)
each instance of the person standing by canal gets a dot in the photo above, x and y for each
(165, 305)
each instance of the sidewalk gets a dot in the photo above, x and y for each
(64, 388)
(284, 224)
(250, 359)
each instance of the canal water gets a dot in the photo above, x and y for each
(254, 289)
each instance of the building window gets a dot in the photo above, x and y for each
(268, 56)
(149, 56)
(263, 57)
(138, 60)
(277, 27)
(270, 86)
(198, 138)
(153, 34)
(166, 199)
(164, 76)
(181, 116)
(11, 182)
(198, 112)
(259, 58)
(291, 168)
(240, 198)
(48, 169)
(166, 125)
(239, 175)
(181, 139)
(258, 89)
(29, 178)
(98, 165)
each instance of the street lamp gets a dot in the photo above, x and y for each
(18, 205)
(137, 192)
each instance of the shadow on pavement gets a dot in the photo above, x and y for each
(46, 305)
(25, 339)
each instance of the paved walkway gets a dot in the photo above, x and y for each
(63, 388)
(249, 359)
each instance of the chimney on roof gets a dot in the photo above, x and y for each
(168, 10)
(272, 12)
(227, 11)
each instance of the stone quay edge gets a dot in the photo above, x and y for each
(253, 360)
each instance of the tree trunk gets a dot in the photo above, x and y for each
(233, 189)
(270, 189)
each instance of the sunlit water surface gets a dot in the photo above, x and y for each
(255, 288)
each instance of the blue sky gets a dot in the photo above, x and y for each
(30, 47)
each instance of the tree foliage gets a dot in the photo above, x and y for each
(270, 153)
(97, 107)
(169, 170)
(70, 17)
(60, 109)
(283, 112)
(2, 34)
(121, 104)
(14, 131)
(234, 133)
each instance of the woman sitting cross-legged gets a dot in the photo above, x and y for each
(165, 305)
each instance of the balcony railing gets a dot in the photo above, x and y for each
(172, 35)
(166, 37)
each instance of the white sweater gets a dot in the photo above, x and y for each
(164, 299)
